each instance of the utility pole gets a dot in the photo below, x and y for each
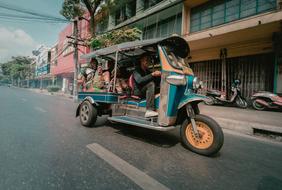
(41, 81)
(75, 58)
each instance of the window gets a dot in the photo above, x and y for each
(232, 8)
(120, 15)
(218, 12)
(131, 9)
(150, 3)
(125, 12)
(49, 57)
(164, 28)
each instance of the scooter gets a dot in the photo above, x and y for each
(266, 100)
(216, 97)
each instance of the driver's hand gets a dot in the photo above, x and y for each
(156, 73)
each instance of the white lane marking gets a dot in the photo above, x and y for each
(140, 178)
(40, 109)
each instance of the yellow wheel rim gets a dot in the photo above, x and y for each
(205, 138)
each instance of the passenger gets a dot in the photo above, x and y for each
(121, 84)
(101, 80)
(87, 74)
(145, 85)
(121, 81)
(108, 67)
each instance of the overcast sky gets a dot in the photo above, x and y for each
(20, 37)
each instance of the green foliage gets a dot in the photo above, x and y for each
(72, 9)
(115, 37)
(18, 67)
(53, 88)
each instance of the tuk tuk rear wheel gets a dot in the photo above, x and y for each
(210, 138)
(87, 114)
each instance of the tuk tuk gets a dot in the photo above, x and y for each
(177, 100)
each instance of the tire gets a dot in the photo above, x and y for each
(211, 139)
(257, 106)
(210, 101)
(241, 102)
(87, 114)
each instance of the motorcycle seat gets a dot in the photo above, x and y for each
(213, 92)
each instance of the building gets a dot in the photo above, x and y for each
(53, 63)
(63, 63)
(156, 18)
(229, 39)
(43, 76)
(235, 39)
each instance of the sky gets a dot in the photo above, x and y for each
(21, 37)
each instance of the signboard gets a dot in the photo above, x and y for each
(43, 70)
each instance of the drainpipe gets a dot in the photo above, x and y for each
(223, 55)
(275, 73)
(276, 40)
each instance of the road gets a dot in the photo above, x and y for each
(43, 146)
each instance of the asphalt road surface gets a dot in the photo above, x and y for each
(43, 146)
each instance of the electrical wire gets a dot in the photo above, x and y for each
(4, 18)
(10, 16)
(30, 12)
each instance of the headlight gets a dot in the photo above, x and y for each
(197, 83)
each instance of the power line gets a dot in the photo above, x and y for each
(4, 18)
(30, 12)
(8, 18)
(27, 17)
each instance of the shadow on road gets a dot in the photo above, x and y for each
(156, 138)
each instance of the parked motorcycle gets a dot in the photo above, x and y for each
(266, 100)
(216, 97)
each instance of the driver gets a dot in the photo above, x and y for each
(144, 83)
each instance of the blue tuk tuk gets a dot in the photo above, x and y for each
(176, 103)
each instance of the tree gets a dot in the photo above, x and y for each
(18, 68)
(115, 37)
(71, 9)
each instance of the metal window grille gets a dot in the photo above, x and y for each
(255, 73)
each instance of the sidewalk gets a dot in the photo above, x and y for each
(44, 91)
(245, 121)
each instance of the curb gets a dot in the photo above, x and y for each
(51, 93)
(246, 127)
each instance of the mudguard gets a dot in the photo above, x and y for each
(88, 98)
(192, 97)
(263, 95)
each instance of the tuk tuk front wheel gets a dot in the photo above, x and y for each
(210, 139)
(87, 114)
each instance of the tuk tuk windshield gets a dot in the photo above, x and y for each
(174, 60)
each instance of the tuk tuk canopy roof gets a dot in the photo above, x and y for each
(180, 46)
